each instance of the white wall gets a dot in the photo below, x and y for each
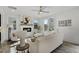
(4, 23)
(71, 33)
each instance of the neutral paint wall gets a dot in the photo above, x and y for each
(4, 23)
(70, 33)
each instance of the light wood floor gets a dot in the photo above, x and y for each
(66, 47)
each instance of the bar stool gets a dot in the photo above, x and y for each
(23, 49)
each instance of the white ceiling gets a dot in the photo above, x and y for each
(28, 10)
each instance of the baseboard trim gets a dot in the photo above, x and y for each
(53, 51)
(72, 43)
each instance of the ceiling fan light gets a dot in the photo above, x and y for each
(41, 12)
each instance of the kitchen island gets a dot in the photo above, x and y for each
(46, 42)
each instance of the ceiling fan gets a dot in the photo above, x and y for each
(41, 10)
(12, 8)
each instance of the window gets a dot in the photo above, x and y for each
(45, 25)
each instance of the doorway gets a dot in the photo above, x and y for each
(0, 26)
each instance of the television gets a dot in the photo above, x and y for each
(28, 29)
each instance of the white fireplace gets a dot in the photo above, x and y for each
(28, 29)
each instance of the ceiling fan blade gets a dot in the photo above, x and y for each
(45, 11)
(41, 10)
(12, 7)
(42, 7)
(36, 10)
